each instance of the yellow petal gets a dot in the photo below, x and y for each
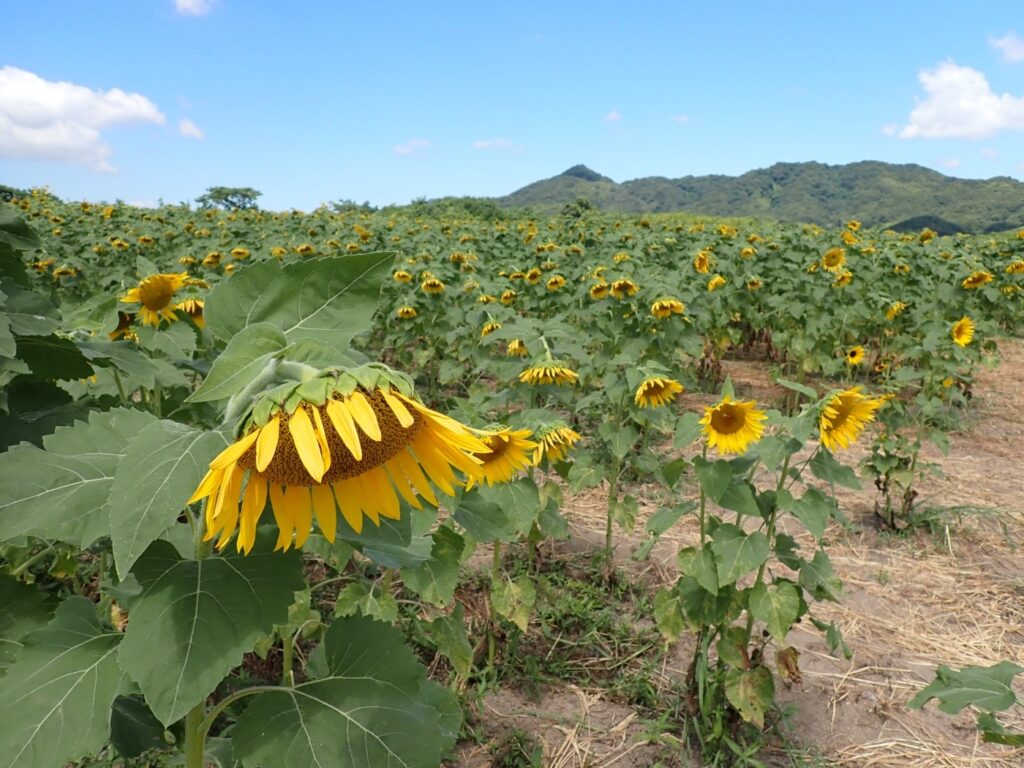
(350, 510)
(362, 412)
(266, 443)
(398, 408)
(384, 492)
(211, 480)
(321, 438)
(415, 476)
(340, 417)
(297, 497)
(228, 519)
(253, 502)
(282, 515)
(306, 444)
(401, 484)
(234, 452)
(326, 511)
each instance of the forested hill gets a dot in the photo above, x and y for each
(878, 194)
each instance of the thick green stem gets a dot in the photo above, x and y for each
(32, 561)
(287, 660)
(120, 387)
(158, 402)
(703, 504)
(613, 500)
(195, 736)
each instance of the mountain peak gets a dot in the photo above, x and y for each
(582, 172)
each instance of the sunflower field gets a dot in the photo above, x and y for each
(286, 489)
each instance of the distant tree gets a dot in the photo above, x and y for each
(9, 193)
(228, 198)
(349, 206)
(577, 208)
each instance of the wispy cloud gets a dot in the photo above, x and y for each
(613, 117)
(989, 153)
(960, 104)
(45, 120)
(495, 143)
(1010, 45)
(681, 118)
(190, 130)
(193, 7)
(411, 147)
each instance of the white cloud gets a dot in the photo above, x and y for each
(496, 143)
(613, 117)
(681, 118)
(193, 7)
(1011, 46)
(190, 130)
(45, 120)
(411, 147)
(143, 204)
(950, 162)
(960, 104)
(989, 153)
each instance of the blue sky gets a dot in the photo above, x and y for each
(386, 102)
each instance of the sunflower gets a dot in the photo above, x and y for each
(599, 291)
(406, 312)
(240, 253)
(843, 279)
(624, 287)
(194, 309)
(517, 276)
(834, 259)
(715, 283)
(976, 279)
(732, 426)
(748, 253)
(754, 284)
(489, 328)
(547, 266)
(555, 283)
(278, 252)
(401, 276)
(508, 297)
(65, 271)
(516, 348)
(849, 238)
(656, 391)
(1015, 268)
(357, 451)
(855, 355)
(306, 249)
(549, 373)
(146, 240)
(895, 310)
(432, 285)
(155, 294)
(124, 327)
(509, 451)
(187, 261)
(844, 417)
(534, 275)
(962, 331)
(853, 225)
(212, 259)
(486, 298)
(901, 269)
(621, 256)
(554, 443)
(702, 262)
(666, 307)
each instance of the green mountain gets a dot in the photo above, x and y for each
(903, 197)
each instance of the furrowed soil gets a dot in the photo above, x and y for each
(950, 592)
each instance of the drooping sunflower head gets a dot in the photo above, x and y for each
(715, 283)
(732, 426)
(489, 328)
(895, 310)
(405, 312)
(358, 449)
(432, 286)
(402, 276)
(844, 417)
(702, 262)
(212, 259)
(666, 307)
(843, 279)
(599, 291)
(1015, 267)
(555, 283)
(509, 452)
(240, 253)
(550, 372)
(748, 253)
(976, 279)
(962, 331)
(155, 293)
(754, 284)
(855, 355)
(485, 298)
(194, 309)
(656, 391)
(533, 275)
(554, 442)
(508, 297)
(516, 348)
(621, 256)
(834, 259)
(853, 225)
(623, 288)
(517, 275)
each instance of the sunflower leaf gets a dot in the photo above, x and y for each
(196, 618)
(989, 688)
(372, 707)
(434, 580)
(23, 608)
(329, 299)
(60, 491)
(246, 355)
(162, 466)
(55, 701)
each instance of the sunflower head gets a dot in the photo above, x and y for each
(834, 259)
(554, 441)
(843, 279)
(623, 288)
(516, 348)
(508, 297)
(432, 286)
(754, 284)
(549, 372)
(844, 417)
(976, 280)
(194, 309)
(124, 327)
(895, 310)
(962, 331)
(715, 283)
(599, 291)
(485, 298)
(855, 355)
(731, 426)
(666, 307)
(489, 328)
(533, 275)
(555, 283)
(702, 262)
(402, 276)
(509, 452)
(405, 312)
(155, 293)
(656, 391)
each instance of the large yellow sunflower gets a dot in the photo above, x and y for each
(549, 373)
(156, 293)
(656, 391)
(732, 426)
(510, 451)
(976, 279)
(834, 259)
(356, 452)
(844, 417)
(962, 331)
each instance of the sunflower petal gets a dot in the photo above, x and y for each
(266, 443)
(362, 412)
(306, 444)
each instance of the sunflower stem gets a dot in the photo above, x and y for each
(32, 561)
(195, 737)
(771, 535)
(287, 660)
(120, 386)
(495, 577)
(157, 402)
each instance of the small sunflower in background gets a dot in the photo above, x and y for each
(844, 417)
(156, 294)
(657, 391)
(962, 331)
(599, 291)
(509, 452)
(489, 328)
(406, 312)
(402, 276)
(624, 288)
(834, 259)
(549, 372)
(715, 283)
(895, 310)
(855, 355)
(516, 348)
(976, 280)
(555, 283)
(432, 286)
(732, 426)
(666, 307)
(193, 307)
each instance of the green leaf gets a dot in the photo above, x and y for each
(813, 509)
(732, 648)
(802, 389)
(514, 599)
(498, 513)
(584, 474)
(666, 517)
(825, 467)
(373, 709)
(359, 598)
(448, 633)
(29, 313)
(668, 616)
(671, 471)
(196, 618)
(988, 688)
(23, 608)
(700, 564)
(126, 358)
(435, 579)
(162, 466)
(737, 553)
(133, 728)
(327, 299)
(739, 497)
(55, 700)
(16, 233)
(51, 357)
(247, 354)
(60, 491)
(715, 477)
(818, 578)
(995, 732)
(624, 512)
(688, 429)
(777, 606)
(751, 691)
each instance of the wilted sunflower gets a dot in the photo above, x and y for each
(240, 253)
(555, 283)
(834, 259)
(754, 284)
(278, 252)
(1015, 268)
(962, 331)
(187, 261)
(599, 291)
(406, 312)
(194, 309)
(534, 275)
(554, 443)
(844, 417)
(895, 310)
(212, 259)
(508, 297)
(358, 452)
(486, 298)
(517, 276)
(855, 355)
(549, 373)
(715, 283)
(155, 294)
(843, 279)
(748, 253)
(65, 271)
(702, 262)
(621, 256)
(853, 225)
(976, 279)
(732, 426)
(901, 269)
(432, 285)
(656, 391)
(666, 307)
(401, 276)
(510, 451)
(624, 287)
(489, 328)
(516, 348)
